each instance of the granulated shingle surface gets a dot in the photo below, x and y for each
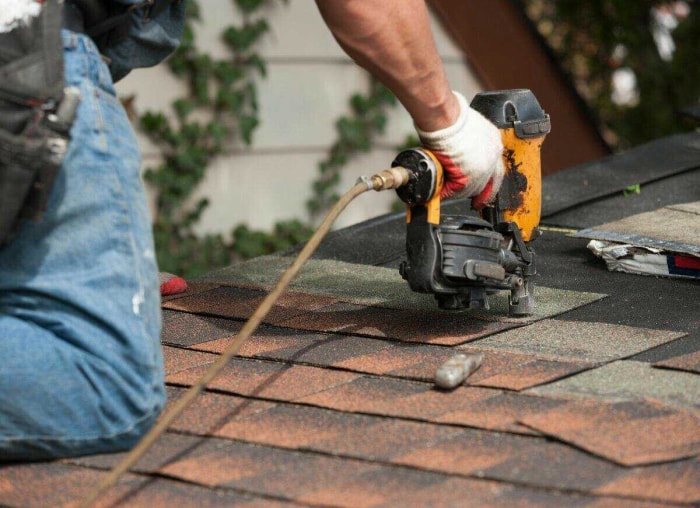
(689, 362)
(240, 303)
(262, 469)
(628, 433)
(500, 411)
(628, 380)
(269, 342)
(170, 447)
(35, 485)
(178, 359)
(183, 329)
(429, 327)
(380, 287)
(267, 379)
(676, 482)
(579, 340)
(517, 371)
(193, 288)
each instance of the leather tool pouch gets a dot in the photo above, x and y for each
(36, 114)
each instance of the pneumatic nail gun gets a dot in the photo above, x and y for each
(461, 258)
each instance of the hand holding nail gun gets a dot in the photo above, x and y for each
(460, 259)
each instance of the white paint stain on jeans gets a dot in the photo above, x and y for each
(137, 300)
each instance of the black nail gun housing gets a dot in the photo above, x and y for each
(463, 259)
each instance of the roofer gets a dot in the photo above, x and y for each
(82, 369)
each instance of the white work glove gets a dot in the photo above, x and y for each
(471, 154)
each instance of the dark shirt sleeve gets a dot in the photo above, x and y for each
(148, 41)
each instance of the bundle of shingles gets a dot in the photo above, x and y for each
(664, 242)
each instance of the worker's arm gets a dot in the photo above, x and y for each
(393, 41)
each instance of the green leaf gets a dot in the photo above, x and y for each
(258, 63)
(183, 107)
(249, 6)
(632, 189)
(248, 124)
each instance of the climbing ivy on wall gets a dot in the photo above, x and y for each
(219, 109)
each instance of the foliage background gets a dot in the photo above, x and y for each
(595, 39)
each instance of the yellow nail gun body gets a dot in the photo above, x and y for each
(462, 258)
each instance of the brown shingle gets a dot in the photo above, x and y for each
(677, 482)
(378, 486)
(240, 303)
(185, 329)
(555, 466)
(500, 411)
(54, 484)
(293, 426)
(210, 411)
(411, 326)
(170, 446)
(164, 493)
(470, 406)
(376, 438)
(178, 359)
(689, 362)
(267, 342)
(526, 373)
(192, 289)
(267, 379)
(262, 469)
(468, 452)
(628, 433)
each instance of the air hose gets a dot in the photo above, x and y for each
(388, 179)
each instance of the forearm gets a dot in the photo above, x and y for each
(392, 40)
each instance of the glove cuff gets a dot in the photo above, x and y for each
(438, 139)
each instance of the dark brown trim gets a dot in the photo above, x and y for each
(505, 50)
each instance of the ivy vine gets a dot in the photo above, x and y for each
(355, 133)
(224, 92)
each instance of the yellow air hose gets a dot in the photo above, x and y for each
(387, 179)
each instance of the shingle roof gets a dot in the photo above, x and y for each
(591, 403)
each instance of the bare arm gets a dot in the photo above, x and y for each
(392, 40)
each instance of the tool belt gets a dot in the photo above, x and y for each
(36, 114)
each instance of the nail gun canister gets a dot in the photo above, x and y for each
(524, 125)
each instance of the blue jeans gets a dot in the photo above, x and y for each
(81, 368)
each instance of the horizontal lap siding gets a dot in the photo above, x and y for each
(307, 88)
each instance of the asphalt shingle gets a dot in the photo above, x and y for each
(627, 433)
(689, 362)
